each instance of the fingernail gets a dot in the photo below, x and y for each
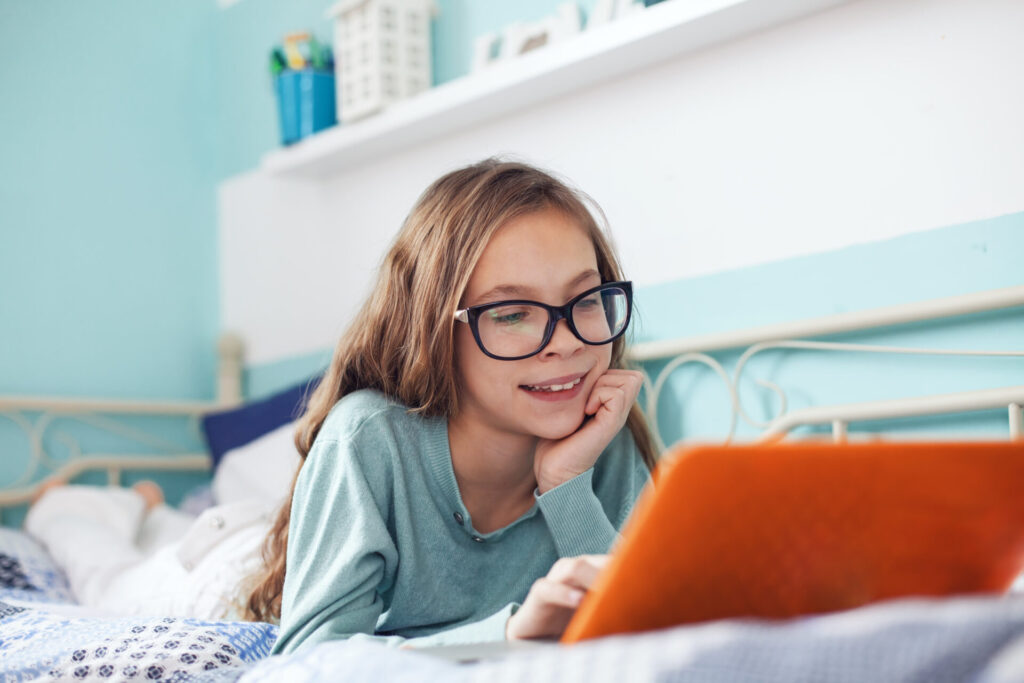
(576, 597)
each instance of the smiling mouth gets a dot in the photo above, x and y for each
(552, 388)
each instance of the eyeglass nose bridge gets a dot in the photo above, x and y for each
(555, 314)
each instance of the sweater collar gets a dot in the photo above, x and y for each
(439, 458)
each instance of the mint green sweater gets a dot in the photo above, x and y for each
(381, 543)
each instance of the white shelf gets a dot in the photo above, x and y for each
(663, 31)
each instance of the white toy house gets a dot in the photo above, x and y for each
(382, 53)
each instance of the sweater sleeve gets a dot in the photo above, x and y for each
(585, 513)
(341, 557)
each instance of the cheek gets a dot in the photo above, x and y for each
(476, 373)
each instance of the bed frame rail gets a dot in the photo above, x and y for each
(97, 412)
(786, 335)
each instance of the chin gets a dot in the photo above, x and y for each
(556, 427)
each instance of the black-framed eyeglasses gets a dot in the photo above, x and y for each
(517, 329)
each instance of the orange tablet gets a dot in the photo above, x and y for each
(781, 530)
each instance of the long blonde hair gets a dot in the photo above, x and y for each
(402, 341)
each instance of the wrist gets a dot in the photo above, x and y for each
(551, 480)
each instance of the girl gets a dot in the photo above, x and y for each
(466, 464)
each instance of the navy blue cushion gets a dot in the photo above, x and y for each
(236, 427)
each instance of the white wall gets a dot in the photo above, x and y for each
(868, 121)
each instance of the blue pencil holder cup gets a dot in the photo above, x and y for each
(305, 103)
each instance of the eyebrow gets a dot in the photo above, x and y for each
(519, 291)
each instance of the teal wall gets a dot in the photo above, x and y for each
(108, 273)
(108, 263)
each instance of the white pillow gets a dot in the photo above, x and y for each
(261, 470)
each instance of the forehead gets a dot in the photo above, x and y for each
(542, 252)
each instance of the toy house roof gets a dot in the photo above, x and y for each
(343, 6)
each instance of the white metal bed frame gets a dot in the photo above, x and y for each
(786, 335)
(682, 351)
(95, 412)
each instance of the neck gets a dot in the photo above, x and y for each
(494, 471)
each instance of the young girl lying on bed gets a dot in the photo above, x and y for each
(467, 459)
(475, 444)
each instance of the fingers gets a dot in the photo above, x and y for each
(546, 611)
(616, 390)
(553, 599)
(579, 572)
(551, 592)
(628, 382)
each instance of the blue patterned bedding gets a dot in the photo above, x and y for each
(965, 639)
(27, 572)
(36, 645)
(39, 642)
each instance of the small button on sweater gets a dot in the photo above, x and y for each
(381, 544)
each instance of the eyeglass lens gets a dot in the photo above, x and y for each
(518, 329)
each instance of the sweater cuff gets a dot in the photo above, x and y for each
(486, 630)
(575, 517)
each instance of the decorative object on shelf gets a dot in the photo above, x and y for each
(602, 12)
(303, 71)
(623, 8)
(383, 48)
(605, 11)
(520, 37)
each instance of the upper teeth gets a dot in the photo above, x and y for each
(556, 387)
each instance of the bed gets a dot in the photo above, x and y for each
(43, 636)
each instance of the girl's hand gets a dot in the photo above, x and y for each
(556, 462)
(553, 599)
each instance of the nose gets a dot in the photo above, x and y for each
(563, 342)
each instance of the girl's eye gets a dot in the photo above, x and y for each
(590, 302)
(508, 316)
